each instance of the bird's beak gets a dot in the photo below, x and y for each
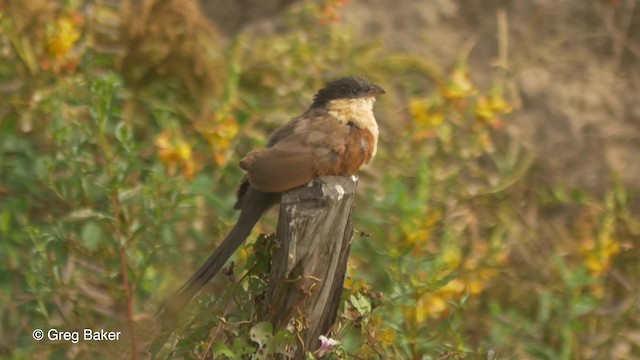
(375, 90)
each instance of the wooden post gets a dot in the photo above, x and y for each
(309, 263)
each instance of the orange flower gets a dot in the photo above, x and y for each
(177, 154)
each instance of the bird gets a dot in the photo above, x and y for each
(336, 135)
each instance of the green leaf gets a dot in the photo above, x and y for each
(123, 132)
(583, 305)
(282, 340)
(242, 347)
(262, 333)
(5, 221)
(268, 344)
(87, 213)
(361, 303)
(92, 235)
(221, 349)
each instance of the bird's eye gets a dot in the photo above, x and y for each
(354, 91)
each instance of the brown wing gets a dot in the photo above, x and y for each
(286, 165)
(313, 145)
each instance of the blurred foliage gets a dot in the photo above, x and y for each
(120, 130)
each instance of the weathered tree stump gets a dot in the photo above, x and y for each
(309, 263)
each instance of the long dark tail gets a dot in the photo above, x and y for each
(254, 204)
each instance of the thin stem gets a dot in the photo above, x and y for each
(125, 276)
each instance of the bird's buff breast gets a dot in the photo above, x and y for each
(358, 112)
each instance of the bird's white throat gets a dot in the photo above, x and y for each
(357, 111)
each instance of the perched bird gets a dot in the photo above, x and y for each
(335, 136)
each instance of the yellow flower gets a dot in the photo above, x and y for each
(459, 85)
(498, 104)
(172, 148)
(190, 168)
(386, 337)
(476, 282)
(176, 153)
(451, 256)
(220, 137)
(64, 36)
(417, 238)
(431, 305)
(598, 256)
(454, 287)
(183, 149)
(484, 110)
(425, 114)
(487, 109)
(475, 286)
(359, 285)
